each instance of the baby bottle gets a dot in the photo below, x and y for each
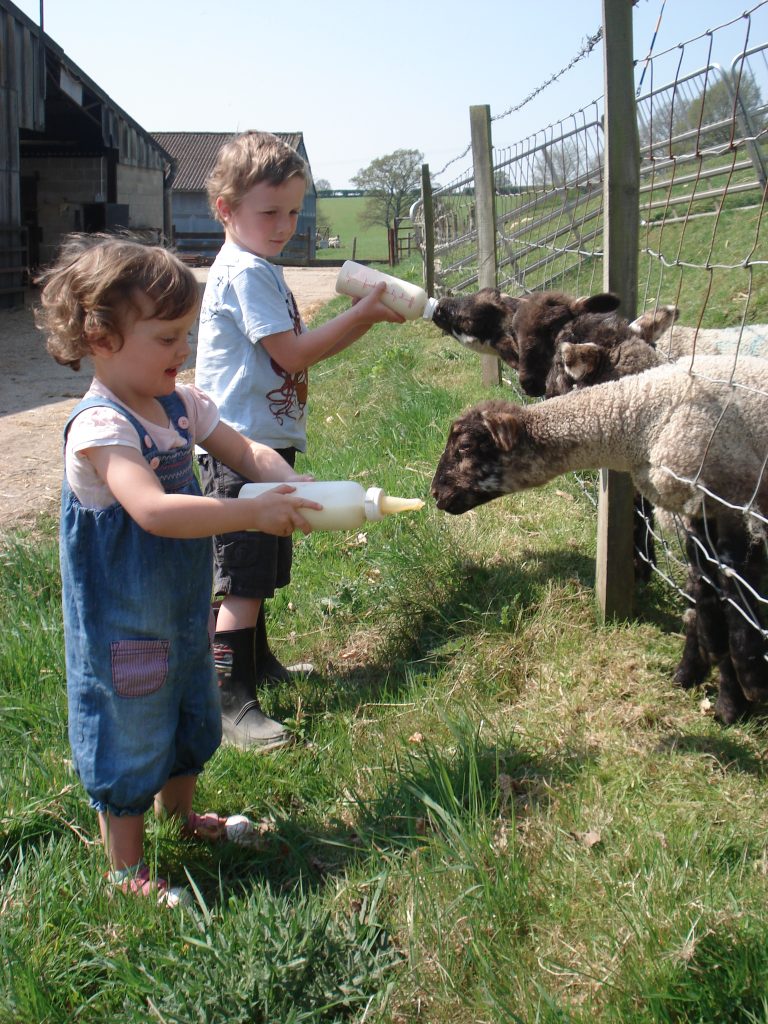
(346, 504)
(409, 300)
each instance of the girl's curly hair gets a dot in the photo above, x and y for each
(91, 289)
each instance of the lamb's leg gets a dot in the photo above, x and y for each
(711, 622)
(744, 560)
(731, 704)
(695, 663)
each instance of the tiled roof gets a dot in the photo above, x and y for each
(195, 154)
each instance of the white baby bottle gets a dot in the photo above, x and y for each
(405, 298)
(346, 504)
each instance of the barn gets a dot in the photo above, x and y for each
(70, 158)
(194, 230)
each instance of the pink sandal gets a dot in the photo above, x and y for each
(136, 881)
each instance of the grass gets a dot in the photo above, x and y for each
(342, 214)
(497, 811)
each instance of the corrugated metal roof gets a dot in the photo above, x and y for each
(195, 154)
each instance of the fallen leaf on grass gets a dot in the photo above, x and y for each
(588, 839)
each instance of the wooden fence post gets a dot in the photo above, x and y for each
(428, 209)
(485, 205)
(614, 569)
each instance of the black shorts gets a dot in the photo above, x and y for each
(245, 563)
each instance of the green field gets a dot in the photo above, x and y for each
(497, 809)
(342, 214)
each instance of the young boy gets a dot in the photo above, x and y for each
(252, 359)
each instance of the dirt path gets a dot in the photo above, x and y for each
(36, 395)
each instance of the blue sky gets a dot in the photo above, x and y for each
(361, 81)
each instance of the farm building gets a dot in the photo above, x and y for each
(70, 158)
(195, 230)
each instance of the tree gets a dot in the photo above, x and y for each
(716, 107)
(323, 185)
(391, 182)
(684, 111)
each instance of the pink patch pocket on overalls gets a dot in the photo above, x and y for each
(139, 667)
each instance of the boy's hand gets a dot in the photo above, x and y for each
(277, 511)
(375, 310)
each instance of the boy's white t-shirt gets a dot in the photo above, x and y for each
(247, 299)
(103, 425)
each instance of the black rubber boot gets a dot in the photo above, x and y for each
(268, 669)
(243, 722)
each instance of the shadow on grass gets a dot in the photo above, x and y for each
(452, 800)
(425, 629)
(733, 753)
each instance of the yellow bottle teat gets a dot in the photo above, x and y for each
(389, 505)
(378, 504)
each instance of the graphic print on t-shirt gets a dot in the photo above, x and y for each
(288, 401)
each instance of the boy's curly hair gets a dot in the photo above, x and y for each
(248, 159)
(90, 291)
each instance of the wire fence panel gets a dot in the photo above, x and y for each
(702, 118)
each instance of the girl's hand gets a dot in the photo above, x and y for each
(278, 511)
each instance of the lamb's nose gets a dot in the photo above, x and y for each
(532, 388)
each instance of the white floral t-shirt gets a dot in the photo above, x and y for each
(103, 425)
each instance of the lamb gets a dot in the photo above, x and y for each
(524, 331)
(482, 322)
(538, 345)
(683, 438)
(589, 354)
(592, 350)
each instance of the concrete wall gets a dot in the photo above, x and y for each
(63, 185)
(142, 189)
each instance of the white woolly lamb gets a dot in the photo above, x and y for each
(684, 438)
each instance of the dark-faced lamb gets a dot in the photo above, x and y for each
(524, 331)
(481, 322)
(520, 330)
(684, 438)
(620, 342)
(593, 350)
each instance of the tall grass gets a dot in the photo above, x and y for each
(496, 810)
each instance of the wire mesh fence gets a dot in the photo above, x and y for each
(702, 116)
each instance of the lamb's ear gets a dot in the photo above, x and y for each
(603, 302)
(651, 325)
(579, 360)
(503, 428)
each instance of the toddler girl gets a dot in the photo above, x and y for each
(135, 548)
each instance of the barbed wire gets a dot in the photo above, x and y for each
(587, 47)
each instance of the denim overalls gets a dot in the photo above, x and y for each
(141, 688)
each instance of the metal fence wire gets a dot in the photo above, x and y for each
(703, 128)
